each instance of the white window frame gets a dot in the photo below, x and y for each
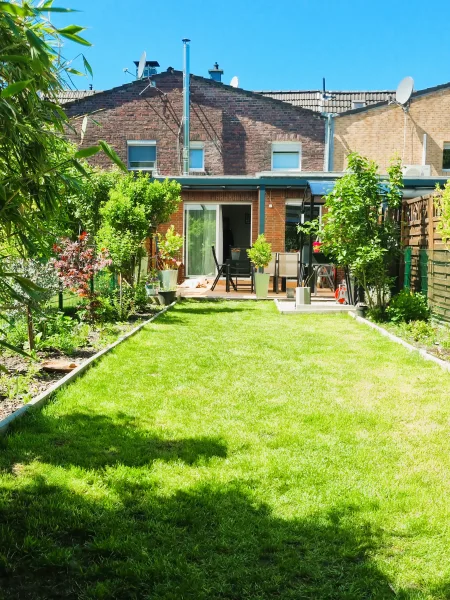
(142, 143)
(197, 146)
(287, 147)
(446, 146)
(354, 102)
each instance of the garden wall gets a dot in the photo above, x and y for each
(426, 259)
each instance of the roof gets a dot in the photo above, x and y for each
(338, 102)
(321, 188)
(71, 95)
(417, 94)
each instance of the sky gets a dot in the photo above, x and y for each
(269, 44)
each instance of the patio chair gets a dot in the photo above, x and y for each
(221, 271)
(288, 267)
(239, 269)
(271, 268)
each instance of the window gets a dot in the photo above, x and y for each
(446, 157)
(358, 104)
(286, 156)
(297, 212)
(196, 156)
(142, 155)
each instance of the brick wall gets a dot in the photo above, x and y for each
(379, 133)
(237, 127)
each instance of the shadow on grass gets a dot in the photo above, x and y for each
(206, 543)
(96, 441)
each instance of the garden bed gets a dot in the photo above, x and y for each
(430, 337)
(26, 378)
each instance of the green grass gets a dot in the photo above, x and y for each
(229, 452)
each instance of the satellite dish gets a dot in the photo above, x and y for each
(141, 66)
(234, 82)
(404, 90)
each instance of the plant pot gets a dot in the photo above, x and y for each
(262, 284)
(302, 295)
(361, 310)
(166, 297)
(168, 279)
(152, 289)
(235, 255)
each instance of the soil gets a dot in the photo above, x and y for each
(18, 366)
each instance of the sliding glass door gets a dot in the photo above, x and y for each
(201, 233)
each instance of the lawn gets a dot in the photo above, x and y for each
(229, 452)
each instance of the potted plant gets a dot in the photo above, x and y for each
(169, 248)
(235, 253)
(152, 283)
(260, 255)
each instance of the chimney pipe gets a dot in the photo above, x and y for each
(216, 73)
(186, 85)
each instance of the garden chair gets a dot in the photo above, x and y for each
(221, 272)
(271, 268)
(288, 267)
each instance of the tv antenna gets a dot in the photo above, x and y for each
(234, 82)
(141, 65)
(404, 91)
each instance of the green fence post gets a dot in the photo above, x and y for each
(423, 271)
(407, 278)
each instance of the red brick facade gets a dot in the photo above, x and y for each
(236, 127)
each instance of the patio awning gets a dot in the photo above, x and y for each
(320, 188)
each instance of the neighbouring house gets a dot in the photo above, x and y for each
(418, 133)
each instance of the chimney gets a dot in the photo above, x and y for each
(149, 69)
(216, 74)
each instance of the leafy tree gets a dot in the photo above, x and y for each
(135, 208)
(359, 230)
(442, 203)
(38, 166)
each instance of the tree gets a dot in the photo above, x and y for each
(359, 230)
(38, 166)
(136, 206)
(442, 203)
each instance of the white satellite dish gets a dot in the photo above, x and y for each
(141, 66)
(404, 90)
(234, 82)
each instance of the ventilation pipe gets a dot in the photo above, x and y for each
(186, 85)
(424, 149)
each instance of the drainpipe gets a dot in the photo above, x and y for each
(262, 208)
(326, 157)
(330, 142)
(424, 149)
(186, 84)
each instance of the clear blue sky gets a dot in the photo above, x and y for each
(271, 44)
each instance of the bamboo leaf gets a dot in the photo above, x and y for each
(14, 9)
(17, 58)
(15, 88)
(87, 66)
(73, 29)
(75, 38)
(110, 153)
(75, 72)
(86, 152)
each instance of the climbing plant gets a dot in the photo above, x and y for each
(442, 203)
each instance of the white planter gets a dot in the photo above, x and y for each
(302, 295)
(168, 279)
(262, 284)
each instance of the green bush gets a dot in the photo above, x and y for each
(420, 331)
(408, 306)
(140, 297)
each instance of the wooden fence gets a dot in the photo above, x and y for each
(426, 259)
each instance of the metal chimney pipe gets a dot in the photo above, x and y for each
(186, 85)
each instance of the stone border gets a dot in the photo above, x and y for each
(445, 365)
(44, 397)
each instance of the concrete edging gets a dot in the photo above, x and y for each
(445, 365)
(44, 397)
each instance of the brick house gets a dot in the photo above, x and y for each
(250, 156)
(420, 135)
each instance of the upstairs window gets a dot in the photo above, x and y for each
(141, 155)
(286, 156)
(446, 157)
(196, 156)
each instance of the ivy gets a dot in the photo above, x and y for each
(442, 203)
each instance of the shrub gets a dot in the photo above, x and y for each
(408, 306)
(260, 253)
(140, 297)
(421, 331)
